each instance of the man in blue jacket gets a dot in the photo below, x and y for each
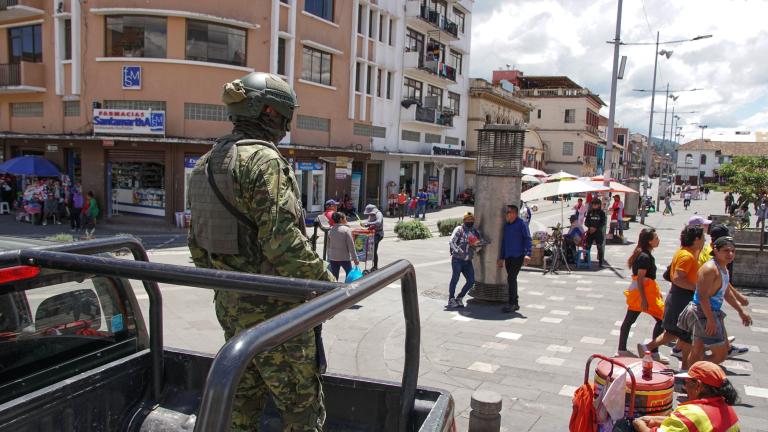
(515, 252)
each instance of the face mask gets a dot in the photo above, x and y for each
(469, 224)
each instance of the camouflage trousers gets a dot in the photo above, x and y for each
(288, 372)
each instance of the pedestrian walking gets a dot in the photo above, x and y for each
(341, 246)
(617, 217)
(402, 199)
(643, 294)
(683, 275)
(75, 204)
(422, 204)
(91, 212)
(515, 251)
(667, 205)
(331, 207)
(729, 200)
(247, 216)
(595, 222)
(525, 214)
(706, 193)
(465, 241)
(686, 199)
(580, 211)
(376, 222)
(703, 316)
(413, 202)
(761, 213)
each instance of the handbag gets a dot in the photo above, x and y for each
(354, 275)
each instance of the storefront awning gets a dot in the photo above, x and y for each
(107, 138)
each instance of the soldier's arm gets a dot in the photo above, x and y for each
(267, 194)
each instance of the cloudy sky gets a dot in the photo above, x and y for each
(568, 37)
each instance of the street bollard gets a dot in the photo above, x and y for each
(486, 412)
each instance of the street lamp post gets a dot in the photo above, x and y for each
(612, 104)
(699, 176)
(646, 174)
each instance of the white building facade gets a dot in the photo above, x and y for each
(414, 85)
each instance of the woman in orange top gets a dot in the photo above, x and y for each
(402, 198)
(682, 272)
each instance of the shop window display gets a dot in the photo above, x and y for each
(138, 187)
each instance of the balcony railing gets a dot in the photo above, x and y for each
(433, 17)
(10, 74)
(429, 115)
(593, 130)
(440, 69)
(550, 92)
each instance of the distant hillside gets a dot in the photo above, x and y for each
(663, 146)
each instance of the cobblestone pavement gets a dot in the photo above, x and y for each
(534, 359)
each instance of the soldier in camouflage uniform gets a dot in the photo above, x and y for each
(259, 183)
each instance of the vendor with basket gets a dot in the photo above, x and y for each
(375, 223)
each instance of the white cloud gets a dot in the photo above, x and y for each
(568, 37)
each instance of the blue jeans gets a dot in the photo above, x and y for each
(334, 267)
(460, 267)
(421, 209)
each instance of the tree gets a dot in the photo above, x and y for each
(747, 175)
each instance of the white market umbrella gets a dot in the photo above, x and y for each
(557, 188)
(530, 179)
(562, 175)
(616, 187)
(533, 172)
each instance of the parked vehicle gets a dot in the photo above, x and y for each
(75, 353)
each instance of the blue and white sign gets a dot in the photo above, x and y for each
(309, 166)
(139, 122)
(190, 161)
(131, 77)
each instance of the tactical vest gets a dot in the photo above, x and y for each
(214, 227)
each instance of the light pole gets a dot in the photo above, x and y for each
(699, 176)
(612, 103)
(646, 176)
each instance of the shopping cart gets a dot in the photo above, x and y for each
(364, 244)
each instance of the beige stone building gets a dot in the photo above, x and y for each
(566, 116)
(493, 104)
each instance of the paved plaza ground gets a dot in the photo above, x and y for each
(534, 359)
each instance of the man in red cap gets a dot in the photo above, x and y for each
(709, 406)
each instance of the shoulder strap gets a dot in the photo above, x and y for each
(227, 205)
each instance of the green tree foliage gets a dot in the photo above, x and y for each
(746, 175)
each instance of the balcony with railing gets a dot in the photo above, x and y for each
(24, 77)
(553, 92)
(18, 9)
(432, 71)
(426, 19)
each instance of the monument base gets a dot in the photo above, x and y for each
(490, 293)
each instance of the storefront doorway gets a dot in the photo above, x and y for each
(408, 176)
(74, 165)
(449, 185)
(311, 179)
(372, 185)
(136, 182)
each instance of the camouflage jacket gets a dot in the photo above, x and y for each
(266, 191)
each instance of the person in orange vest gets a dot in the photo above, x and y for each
(402, 198)
(709, 406)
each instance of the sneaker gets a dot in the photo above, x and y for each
(660, 358)
(452, 303)
(459, 302)
(737, 350)
(625, 353)
(641, 349)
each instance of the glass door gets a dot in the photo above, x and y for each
(317, 190)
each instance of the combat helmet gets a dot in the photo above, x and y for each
(247, 97)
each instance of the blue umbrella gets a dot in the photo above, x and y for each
(37, 166)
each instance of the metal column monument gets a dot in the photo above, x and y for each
(498, 184)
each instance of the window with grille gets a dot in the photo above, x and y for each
(567, 149)
(71, 108)
(313, 123)
(570, 116)
(414, 42)
(452, 140)
(437, 92)
(432, 138)
(316, 66)
(412, 89)
(389, 85)
(134, 105)
(208, 112)
(369, 130)
(27, 109)
(455, 60)
(411, 135)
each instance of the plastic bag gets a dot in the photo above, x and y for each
(354, 274)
